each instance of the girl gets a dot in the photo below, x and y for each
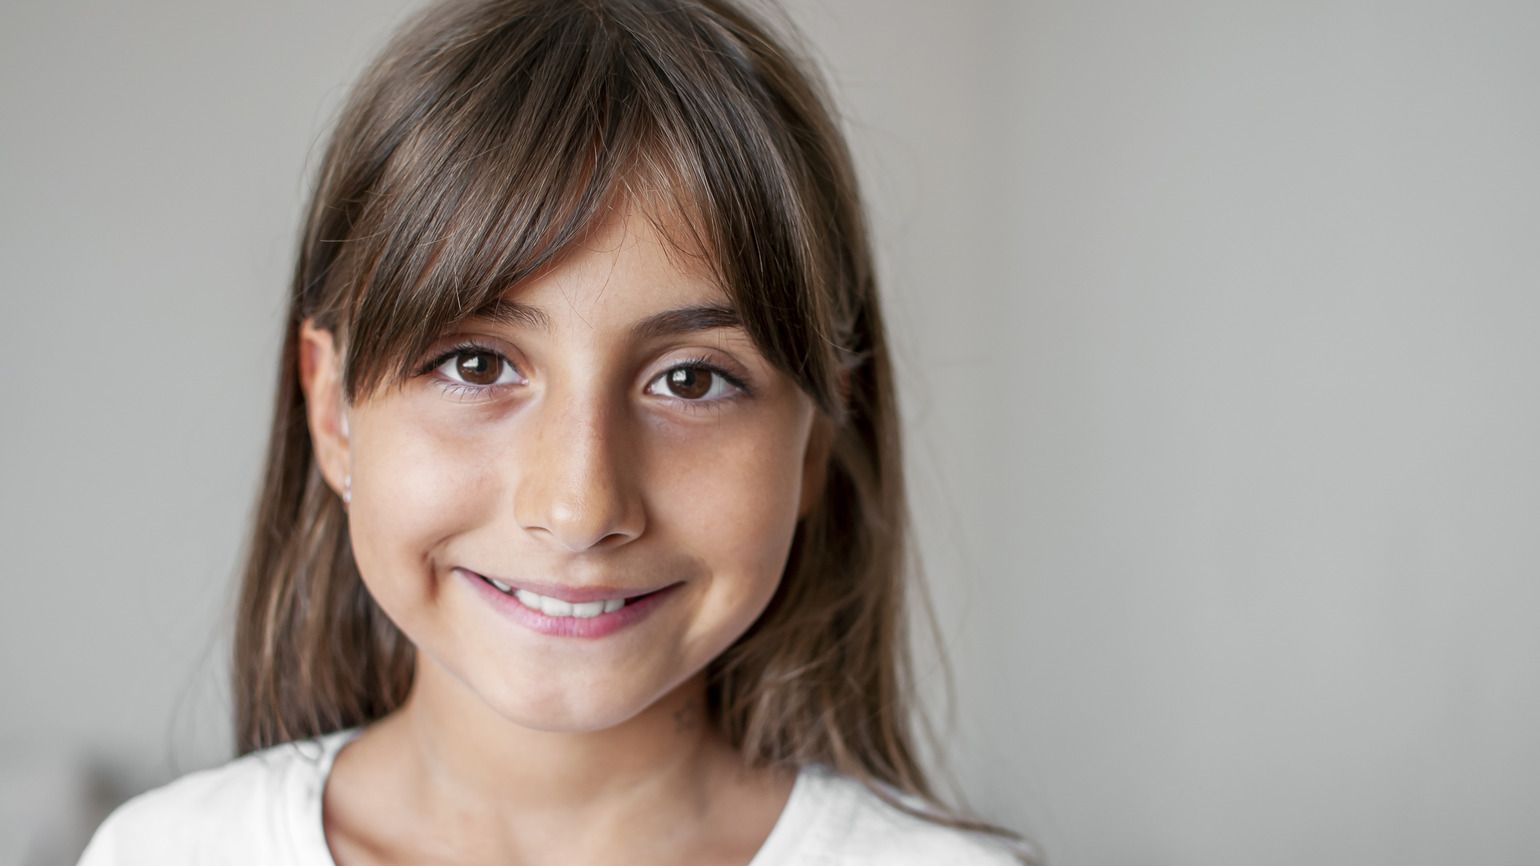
(581, 537)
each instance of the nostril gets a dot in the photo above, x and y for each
(576, 514)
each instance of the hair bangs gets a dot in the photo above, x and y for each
(492, 183)
(518, 138)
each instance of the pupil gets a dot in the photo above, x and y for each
(689, 382)
(478, 368)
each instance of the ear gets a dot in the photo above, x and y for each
(815, 463)
(320, 377)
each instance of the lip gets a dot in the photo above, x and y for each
(570, 626)
(571, 594)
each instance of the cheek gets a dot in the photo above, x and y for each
(412, 489)
(734, 506)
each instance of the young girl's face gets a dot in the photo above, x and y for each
(613, 435)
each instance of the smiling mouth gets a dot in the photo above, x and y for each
(557, 607)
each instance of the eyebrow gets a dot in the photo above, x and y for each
(684, 320)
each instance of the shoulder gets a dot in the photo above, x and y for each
(242, 811)
(858, 826)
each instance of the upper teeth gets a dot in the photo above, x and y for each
(557, 607)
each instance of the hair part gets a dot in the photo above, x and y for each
(483, 142)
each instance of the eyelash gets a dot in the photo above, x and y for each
(464, 391)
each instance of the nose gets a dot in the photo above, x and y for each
(578, 487)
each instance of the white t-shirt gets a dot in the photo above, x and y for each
(265, 808)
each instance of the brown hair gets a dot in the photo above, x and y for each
(483, 141)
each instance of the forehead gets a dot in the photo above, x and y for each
(635, 269)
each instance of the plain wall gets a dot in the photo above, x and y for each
(1218, 328)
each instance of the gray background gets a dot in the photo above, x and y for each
(1218, 328)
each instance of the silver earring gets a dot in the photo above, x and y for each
(347, 490)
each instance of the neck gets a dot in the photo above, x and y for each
(517, 788)
(464, 746)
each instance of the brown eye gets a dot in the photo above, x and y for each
(698, 383)
(689, 383)
(478, 368)
(472, 368)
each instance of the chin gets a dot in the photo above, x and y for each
(574, 709)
